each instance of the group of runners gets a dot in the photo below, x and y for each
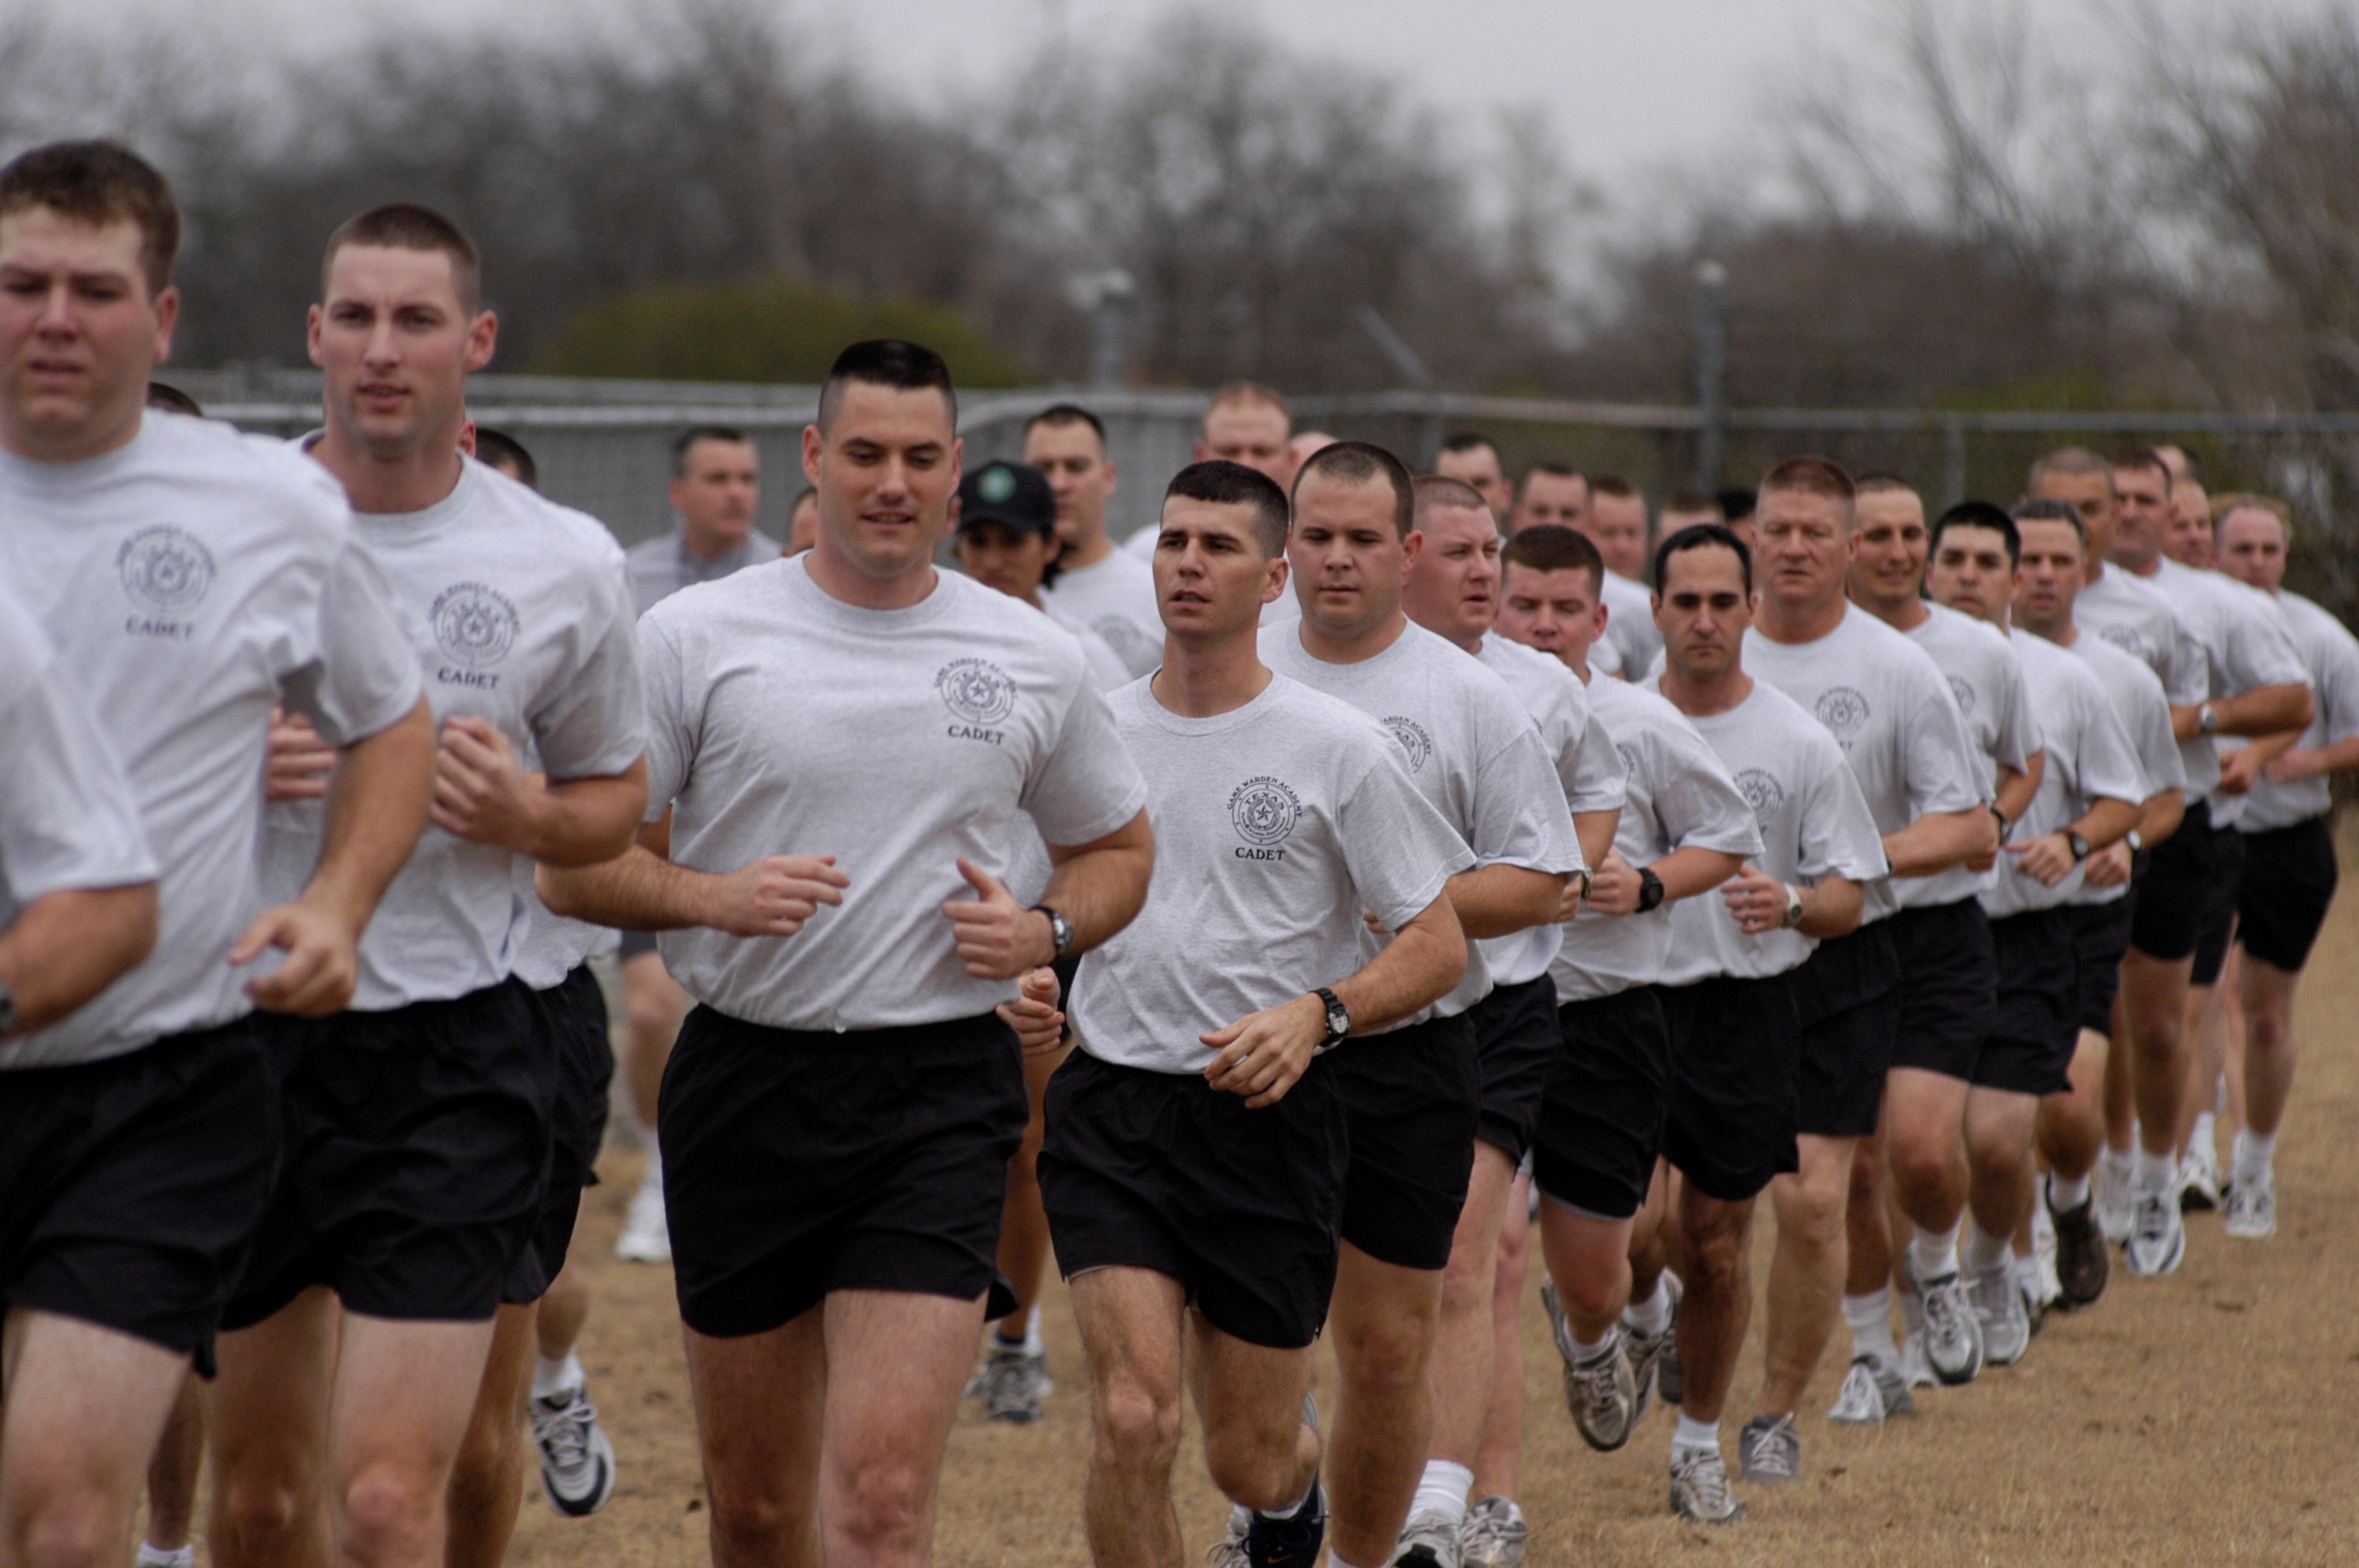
(1275, 923)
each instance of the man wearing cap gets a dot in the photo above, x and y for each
(1005, 537)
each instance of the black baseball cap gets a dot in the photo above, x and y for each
(1012, 495)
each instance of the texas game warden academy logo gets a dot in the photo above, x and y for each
(1762, 792)
(976, 690)
(1844, 711)
(1264, 811)
(474, 625)
(1964, 694)
(164, 568)
(1413, 739)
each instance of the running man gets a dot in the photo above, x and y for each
(840, 746)
(193, 578)
(1615, 521)
(1095, 583)
(1195, 1174)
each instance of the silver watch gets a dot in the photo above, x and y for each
(1060, 930)
(7, 1009)
(1793, 907)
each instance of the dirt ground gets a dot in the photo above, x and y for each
(2212, 1417)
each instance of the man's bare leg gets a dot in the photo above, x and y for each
(487, 1480)
(1130, 1324)
(1023, 1248)
(403, 1393)
(172, 1478)
(1498, 1464)
(1464, 1342)
(2154, 1009)
(653, 1006)
(85, 1406)
(1381, 1326)
(2267, 994)
(269, 1438)
(1806, 1270)
(1717, 1243)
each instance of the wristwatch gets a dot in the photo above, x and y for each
(2206, 720)
(1060, 930)
(7, 1009)
(2078, 843)
(2005, 827)
(1587, 882)
(2135, 840)
(1650, 890)
(1793, 916)
(1339, 1018)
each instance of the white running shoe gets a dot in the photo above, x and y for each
(1493, 1535)
(2001, 1315)
(577, 1462)
(1953, 1335)
(646, 1235)
(1430, 1539)
(1915, 1372)
(1700, 1487)
(2253, 1209)
(2117, 1204)
(1652, 1353)
(1871, 1394)
(2158, 1242)
(2199, 1176)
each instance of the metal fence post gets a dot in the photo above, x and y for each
(1954, 456)
(1710, 329)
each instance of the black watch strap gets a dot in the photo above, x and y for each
(1650, 890)
(1060, 930)
(7, 1009)
(1339, 1017)
(2078, 843)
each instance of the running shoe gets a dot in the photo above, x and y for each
(1652, 1353)
(2116, 1205)
(1493, 1536)
(2158, 1242)
(1699, 1487)
(2000, 1315)
(577, 1462)
(647, 1236)
(1871, 1393)
(1014, 1379)
(2198, 1177)
(1430, 1539)
(2253, 1209)
(1954, 1338)
(2082, 1260)
(1915, 1372)
(1770, 1450)
(1289, 1542)
(1600, 1388)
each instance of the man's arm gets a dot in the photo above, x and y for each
(66, 946)
(642, 890)
(2016, 789)
(376, 805)
(1684, 872)
(2048, 860)
(1500, 900)
(1263, 1055)
(2243, 768)
(2263, 710)
(484, 794)
(1940, 839)
(1098, 887)
(1757, 899)
(2308, 763)
(1595, 831)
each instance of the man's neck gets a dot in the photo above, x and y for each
(1203, 678)
(1781, 622)
(1577, 663)
(710, 548)
(2063, 634)
(1900, 614)
(412, 480)
(1468, 641)
(110, 435)
(847, 584)
(1352, 648)
(1702, 698)
(2136, 566)
(1088, 550)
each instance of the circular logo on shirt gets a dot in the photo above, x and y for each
(1124, 637)
(1964, 694)
(1414, 741)
(1762, 792)
(2122, 637)
(1844, 711)
(474, 625)
(1629, 759)
(1264, 811)
(164, 568)
(976, 690)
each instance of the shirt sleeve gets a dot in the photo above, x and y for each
(1839, 833)
(2187, 676)
(672, 722)
(1519, 806)
(1400, 849)
(2105, 765)
(1087, 784)
(67, 816)
(2157, 747)
(592, 721)
(1697, 803)
(2257, 651)
(2338, 684)
(1943, 768)
(2018, 728)
(365, 678)
(1590, 768)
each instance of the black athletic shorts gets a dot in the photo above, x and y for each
(1160, 1171)
(2289, 881)
(573, 1019)
(2219, 907)
(636, 943)
(2037, 1020)
(1847, 998)
(1601, 1125)
(2101, 935)
(798, 1162)
(1736, 1054)
(1413, 1097)
(1948, 977)
(2175, 889)
(129, 1188)
(1517, 1040)
(417, 1152)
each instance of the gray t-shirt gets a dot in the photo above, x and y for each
(2134, 616)
(1275, 826)
(662, 565)
(1586, 764)
(2134, 694)
(1676, 793)
(1986, 678)
(784, 721)
(190, 581)
(2244, 644)
(1889, 708)
(1814, 824)
(516, 609)
(2331, 656)
(1115, 599)
(1630, 624)
(1470, 747)
(1107, 671)
(2089, 758)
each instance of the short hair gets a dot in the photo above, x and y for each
(406, 226)
(1697, 536)
(1220, 483)
(809, 492)
(99, 183)
(1737, 505)
(1438, 491)
(172, 400)
(1983, 515)
(2071, 462)
(1470, 441)
(1363, 462)
(1814, 476)
(2194, 465)
(1695, 501)
(2041, 509)
(892, 363)
(2248, 501)
(1553, 548)
(685, 443)
(1882, 482)
(496, 447)
(1058, 415)
(1555, 467)
(1615, 485)
(2136, 458)
(1249, 393)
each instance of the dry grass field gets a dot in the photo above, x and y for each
(2208, 1418)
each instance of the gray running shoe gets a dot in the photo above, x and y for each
(1014, 1380)
(1429, 1541)
(1699, 1487)
(1599, 1388)
(1229, 1552)
(1953, 1338)
(2158, 1242)
(1493, 1536)
(2000, 1314)
(1770, 1450)
(577, 1461)
(1871, 1393)
(2082, 1260)
(1650, 1354)
(2253, 1209)
(2116, 1206)
(2198, 1177)
(1915, 1372)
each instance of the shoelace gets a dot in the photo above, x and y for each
(1003, 1380)
(1707, 1480)
(1774, 1453)
(1598, 1387)
(2153, 1221)
(565, 1433)
(1942, 1319)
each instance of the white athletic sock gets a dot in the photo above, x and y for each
(2120, 1162)
(2152, 1172)
(1652, 1316)
(1870, 1317)
(2251, 1156)
(1983, 1252)
(550, 1379)
(1033, 1344)
(1291, 1510)
(2027, 1274)
(1933, 1253)
(1587, 1350)
(1695, 1433)
(2064, 1197)
(1443, 1490)
(156, 1557)
(2204, 1134)
(654, 1178)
